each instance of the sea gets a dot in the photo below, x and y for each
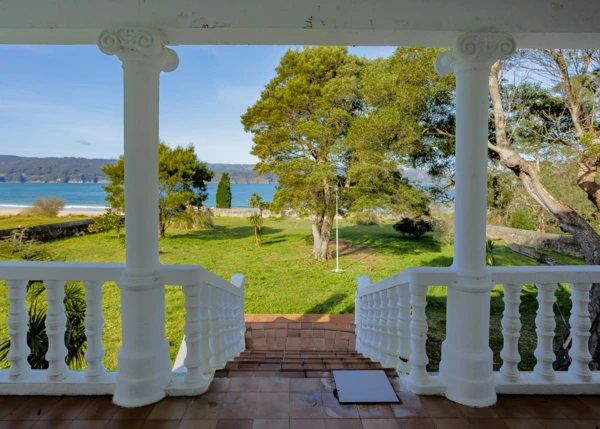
(90, 196)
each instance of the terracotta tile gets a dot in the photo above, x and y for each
(477, 413)
(334, 410)
(573, 407)
(124, 424)
(375, 411)
(307, 424)
(51, 424)
(67, 408)
(293, 366)
(343, 424)
(239, 405)
(274, 384)
(306, 333)
(415, 423)
(451, 424)
(139, 413)
(248, 365)
(327, 384)
(587, 424)
(293, 333)
(304, 385)
(307, 325)
(270, 333)
(410, 406)
(440, 407)
(342, 336)
(10, 403)
(203, 407)
(539, 407)
(340, 344)
(508, 408)
(281, 333)
(271, 424)
(522, 424)
(306, 405)
(259, 342)
(294, 342)
(591, 401)
(294, 325)
(380, 424)
(22, 424)
(257, 326)
(88, 424)
(234, 424)
(558, 424)
(293, 374)
(33, 408)
(244, 384)
(270, 366)
(483, 423)
(258, 333)
(240, 373)
(198, 424)
(315, 366)
(273, 406)
(160, 424)
(170, 409)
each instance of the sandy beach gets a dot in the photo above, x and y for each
(63, 213)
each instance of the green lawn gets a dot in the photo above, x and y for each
(8, 222)
(281, 276)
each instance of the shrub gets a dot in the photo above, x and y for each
(107, 222)
(256, 221)
(27, 249)
(46, 206)
(490, 251)
(443, 230)
(193, 218)
(366, 218)
(223, 197)
(520, 219)
(415, 227)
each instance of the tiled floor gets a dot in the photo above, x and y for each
(297, 403)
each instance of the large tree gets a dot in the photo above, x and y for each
(309, 130)
(181, 183)
(223, 197)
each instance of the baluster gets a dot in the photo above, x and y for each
(545, 326)
(222, 326)
(376, 327)
(382, 328)
(17, 330)
(580, 332)
(418, 327)
(230, 335)
(215, 328)
(56, 321)
(404, 333)
(94, 327)
(241, 324)
(511, 331)
(392, 328)
(369, 327)
(358, 321)
(197, 333)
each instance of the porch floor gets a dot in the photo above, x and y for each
(296, 403)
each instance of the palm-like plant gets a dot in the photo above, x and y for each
(490, 251)
(37, 337)
(256, 221)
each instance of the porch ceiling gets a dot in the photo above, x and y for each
(534, 23)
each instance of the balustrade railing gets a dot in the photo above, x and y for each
(391, 327)
(214, 327)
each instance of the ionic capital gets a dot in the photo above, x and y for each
(475, 50)
(149, 43)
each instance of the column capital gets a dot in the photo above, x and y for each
(138, 42)
(475, 50)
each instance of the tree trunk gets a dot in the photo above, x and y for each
(586, 179)
(321, 229)
(570, 221)
(541, 220)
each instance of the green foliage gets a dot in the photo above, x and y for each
(314, 127)
(181, 183)
(365, 218)
(46, 206)
(193, 218)
(443, 230)
(110, 220)
(520, 219)
(415, 227)
(37, 336)
(256, 221)
(223, 196)
(19, 246)
(490, 251)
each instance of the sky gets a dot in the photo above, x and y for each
(58, 101)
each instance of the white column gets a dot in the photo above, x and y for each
(144, 366)
(466, 365)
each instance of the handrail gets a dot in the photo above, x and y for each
(539, 274)
(419, 275)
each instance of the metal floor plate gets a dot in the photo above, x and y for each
(363, 387)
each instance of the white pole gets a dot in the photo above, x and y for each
(337, 235)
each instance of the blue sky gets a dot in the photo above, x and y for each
(67, 100)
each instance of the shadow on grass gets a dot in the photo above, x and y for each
(386, 240)
(440, 261)
(220, 232)
(329, 305)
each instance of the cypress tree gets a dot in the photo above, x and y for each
(224, 192)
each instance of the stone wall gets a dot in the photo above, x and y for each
(564, 244)
(245, 212)
(53, 230)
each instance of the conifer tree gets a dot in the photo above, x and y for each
(224, 192)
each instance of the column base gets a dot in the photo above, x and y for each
(142, 380)
(469, 377)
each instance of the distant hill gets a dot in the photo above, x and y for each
(22, 169)
(69, 169)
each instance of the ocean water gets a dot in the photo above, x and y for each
(90, 196)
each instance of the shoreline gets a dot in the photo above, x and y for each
(63, 213)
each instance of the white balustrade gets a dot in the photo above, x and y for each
(391, 350)
(17, 330)
(545, 323)
(511, 330)
(418, 328)
(404, 341)
(94, 327)
(56, 321)
(580, 331)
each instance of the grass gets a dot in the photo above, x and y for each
(23, 221)
(281, 276)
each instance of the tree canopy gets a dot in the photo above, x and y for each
(312, 128)
(181, 183)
